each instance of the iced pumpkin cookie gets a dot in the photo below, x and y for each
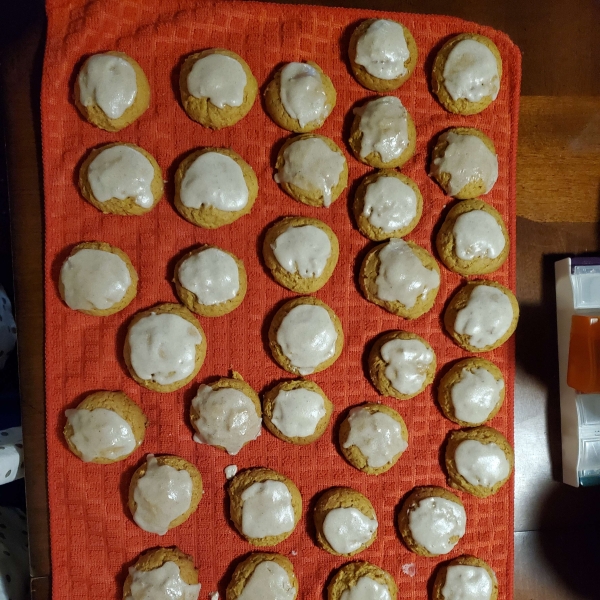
(111, 90)
(162, 573)
(471, 392)
(362, 581)
(466, 74)
(401, 364)
(431, 521)
(210, 281)
(465, 577)
(121, 179)
(226, 414)
(97, 279)
(387, 205)
(373, 437)
(105, 427)
(473, 239)
(311, 169)
(214, 187)
(263, 575)
(217, 88)
(165, 347)
(383, 134)
(296, 411)
(300, 97)
(164, 492)
(264, 505)
(481, 316)
(345, 521)
(401, 277)
(479, 461)
(301, 253)
(464, 163)
(383, 54)
(305, 336)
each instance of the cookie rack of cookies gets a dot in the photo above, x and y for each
(165, 345)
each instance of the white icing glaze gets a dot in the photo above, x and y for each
(100, 433)
(475, 395)
(307, 337)
(214, 179)
(228, 418)
(477, 235)
(471, 72)
(161, 495)
(466, 582)
(163, 348)
(304, 250)
(230, 471)
(367, 589)
(466, 159)
(162, 583)
(486, 317)
(122, 172)
(297, 412)
(347, 529)
(382, 50)
(402, 277)
(384, 127)
(390, 204)
(212, 275)
(219, 78)
(108, 81)
(481, 464)
(377, 435)
(94, 279)
(267, 509)
(310, 164)
(407, 363)
(303, 94)
(269, 581)
(435, 521)
(213, 596)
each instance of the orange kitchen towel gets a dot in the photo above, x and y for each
(93, 537)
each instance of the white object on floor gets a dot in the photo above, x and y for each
(11, 455)
(14, 557)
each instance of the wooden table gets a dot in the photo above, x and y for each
(557, 528)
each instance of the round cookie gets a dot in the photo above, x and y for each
(306, 346)
(474, 180)
(275, 106)
(473, 240)
(365, 441)
(378, 52)
(319, 171)
(349, 576)
(296, 417)
(311, 254)
(214, 281)
(478, 461)
(243, 573)
(354, 518)
(472, 331)
(377, 278)
(386, 209)
(471, 392)
(378, 114)
(151, 382)
(102, 112)
(463, 580)
(133, 197)
(206, 214)
(200, 108)
(417, 528)
(462, 105)
(156, 558)
(165, 490)
(390, 365)
(289, 508)
(75, 273)
(93, 433)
